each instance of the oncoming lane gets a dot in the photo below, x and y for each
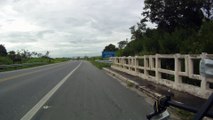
(19, 94)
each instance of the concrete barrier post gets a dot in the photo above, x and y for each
(136, 65)
(145, 66)
(157, 66)
(150, 62)
(190, 66)
(204, 84)
(113, 60)
(129, 63)
(122, 62)
(178, 80)
(186, 57)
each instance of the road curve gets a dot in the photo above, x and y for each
(88, 94)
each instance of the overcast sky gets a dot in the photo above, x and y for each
(66, 28)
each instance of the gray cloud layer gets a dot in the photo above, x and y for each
(66, 28)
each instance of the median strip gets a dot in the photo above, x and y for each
(30, 114)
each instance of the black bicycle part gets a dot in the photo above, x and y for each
(161, 105)
(204, 109)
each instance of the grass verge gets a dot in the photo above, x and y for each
(35, 60)
(21, 67)
(183, 114)
(99, 65)
(130, 84)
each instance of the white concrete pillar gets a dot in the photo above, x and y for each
(145, 67)
(150, 62)
(120, 59)
(186, 57)
(157, 66)
(136, 65)
(204, 84)
(178, 79)
(123, 62)
(114, 60)
(190, 66)
(124, 59)
(129, 62)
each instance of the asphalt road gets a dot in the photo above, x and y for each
(73, 90)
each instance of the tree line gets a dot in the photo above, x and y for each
(181, 27)
(19, 56)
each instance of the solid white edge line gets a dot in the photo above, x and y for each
(30, 114)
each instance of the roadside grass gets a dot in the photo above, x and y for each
(130, 84)
(5, 60)
(21, 67)
(182, 114)
(40, 61)
(99, 65)
(45, 60)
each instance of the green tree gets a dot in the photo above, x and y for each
(132, 48)
(122, 44)
(25, 54)
(3, 51)
(151, 41)
(206, 36)
(172, 14)
(181, 29)
(46, 55)
(111, 48)
(138, 30)
(12, 55)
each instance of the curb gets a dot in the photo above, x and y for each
(143, 89)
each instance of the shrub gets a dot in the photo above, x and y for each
(5, 60)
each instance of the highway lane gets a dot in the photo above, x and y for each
(20, 90)
(20, 72)
(90, 94)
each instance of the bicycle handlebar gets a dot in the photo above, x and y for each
(188, 108)
(161, 105)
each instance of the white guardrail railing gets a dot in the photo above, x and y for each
(176, 71)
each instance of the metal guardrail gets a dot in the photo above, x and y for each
(104, 61)
(21, 65)
(206, 68)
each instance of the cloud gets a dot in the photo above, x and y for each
(66, 28)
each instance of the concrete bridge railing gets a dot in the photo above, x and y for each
(176, 71)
